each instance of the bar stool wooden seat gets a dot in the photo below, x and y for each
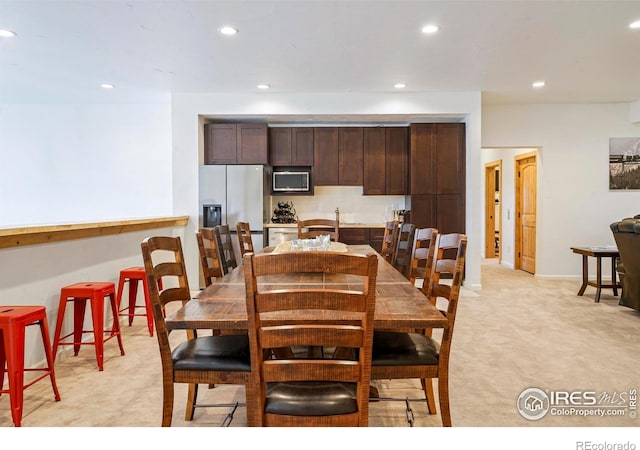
(133, 275)
(79, 293)
(13, 323)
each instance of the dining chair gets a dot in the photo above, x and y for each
(205, 359)
(225, 247)
(404, 246)
(405, 355)
(423, 250)
(244, 237)
(210, 256)
(389, 240)
(314, 390)
(311, 228)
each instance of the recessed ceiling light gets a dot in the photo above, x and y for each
(263, 86)
(428, 29)
(107, 86)
(635, 24)
(7, 33)
(228, 30)
(399, 85)
(538, 84)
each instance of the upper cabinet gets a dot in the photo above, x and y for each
(291, 146)
(397, 156)
(230, 143)
(338, 156)
(325, 156)
(385, 160)
(438, 158)
(350, 153)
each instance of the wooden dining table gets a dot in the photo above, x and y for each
(222, 305)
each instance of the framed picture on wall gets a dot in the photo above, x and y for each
(624, 163)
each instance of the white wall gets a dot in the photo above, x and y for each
(575, 205)
(72, 163)
(187, 142)
(84, 162)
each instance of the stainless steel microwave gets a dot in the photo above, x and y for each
(291, 181)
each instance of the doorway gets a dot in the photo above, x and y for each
(525, 230)
(493, 210)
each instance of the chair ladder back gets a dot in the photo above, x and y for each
(244, 237)
(225, 247)
(210, 257)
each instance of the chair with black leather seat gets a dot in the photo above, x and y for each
(207, 359)
(311, 391)
(404, 246)
(225, 247)
(389, 240)
(424, 244)
(312, 228)
(210, 257)
(627, 236)
(405, 355)
(244, 238)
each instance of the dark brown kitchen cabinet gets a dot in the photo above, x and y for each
(437, 162)
(363, 236)
(291, 146)
(376, 235)
(354, 236)
(396, 155)
(350, 153)
(231, 143)
(325, 156)
(386, 161)
(220, 143)
(374, 176)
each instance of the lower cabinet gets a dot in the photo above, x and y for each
(363, 236)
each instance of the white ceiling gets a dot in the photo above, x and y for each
(584, 50)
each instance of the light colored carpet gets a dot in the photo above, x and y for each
(518, 332)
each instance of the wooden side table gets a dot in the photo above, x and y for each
(598, 253)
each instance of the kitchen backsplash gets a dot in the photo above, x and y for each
(354, 207)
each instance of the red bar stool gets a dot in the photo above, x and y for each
(13, 322)
(133, 275)
(79, 293)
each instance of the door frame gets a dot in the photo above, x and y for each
(518, 207)
(490, 213)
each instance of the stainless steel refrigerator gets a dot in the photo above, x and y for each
(240, 190)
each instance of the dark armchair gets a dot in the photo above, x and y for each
(627, 236)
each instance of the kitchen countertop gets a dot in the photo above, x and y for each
(342, 225)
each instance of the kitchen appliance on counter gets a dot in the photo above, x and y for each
(284, 213)
(239, 191)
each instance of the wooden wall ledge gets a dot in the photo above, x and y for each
(19, 237)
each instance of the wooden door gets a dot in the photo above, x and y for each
(325, 156)
(493, 201)
(526, 188)
(374, 161)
